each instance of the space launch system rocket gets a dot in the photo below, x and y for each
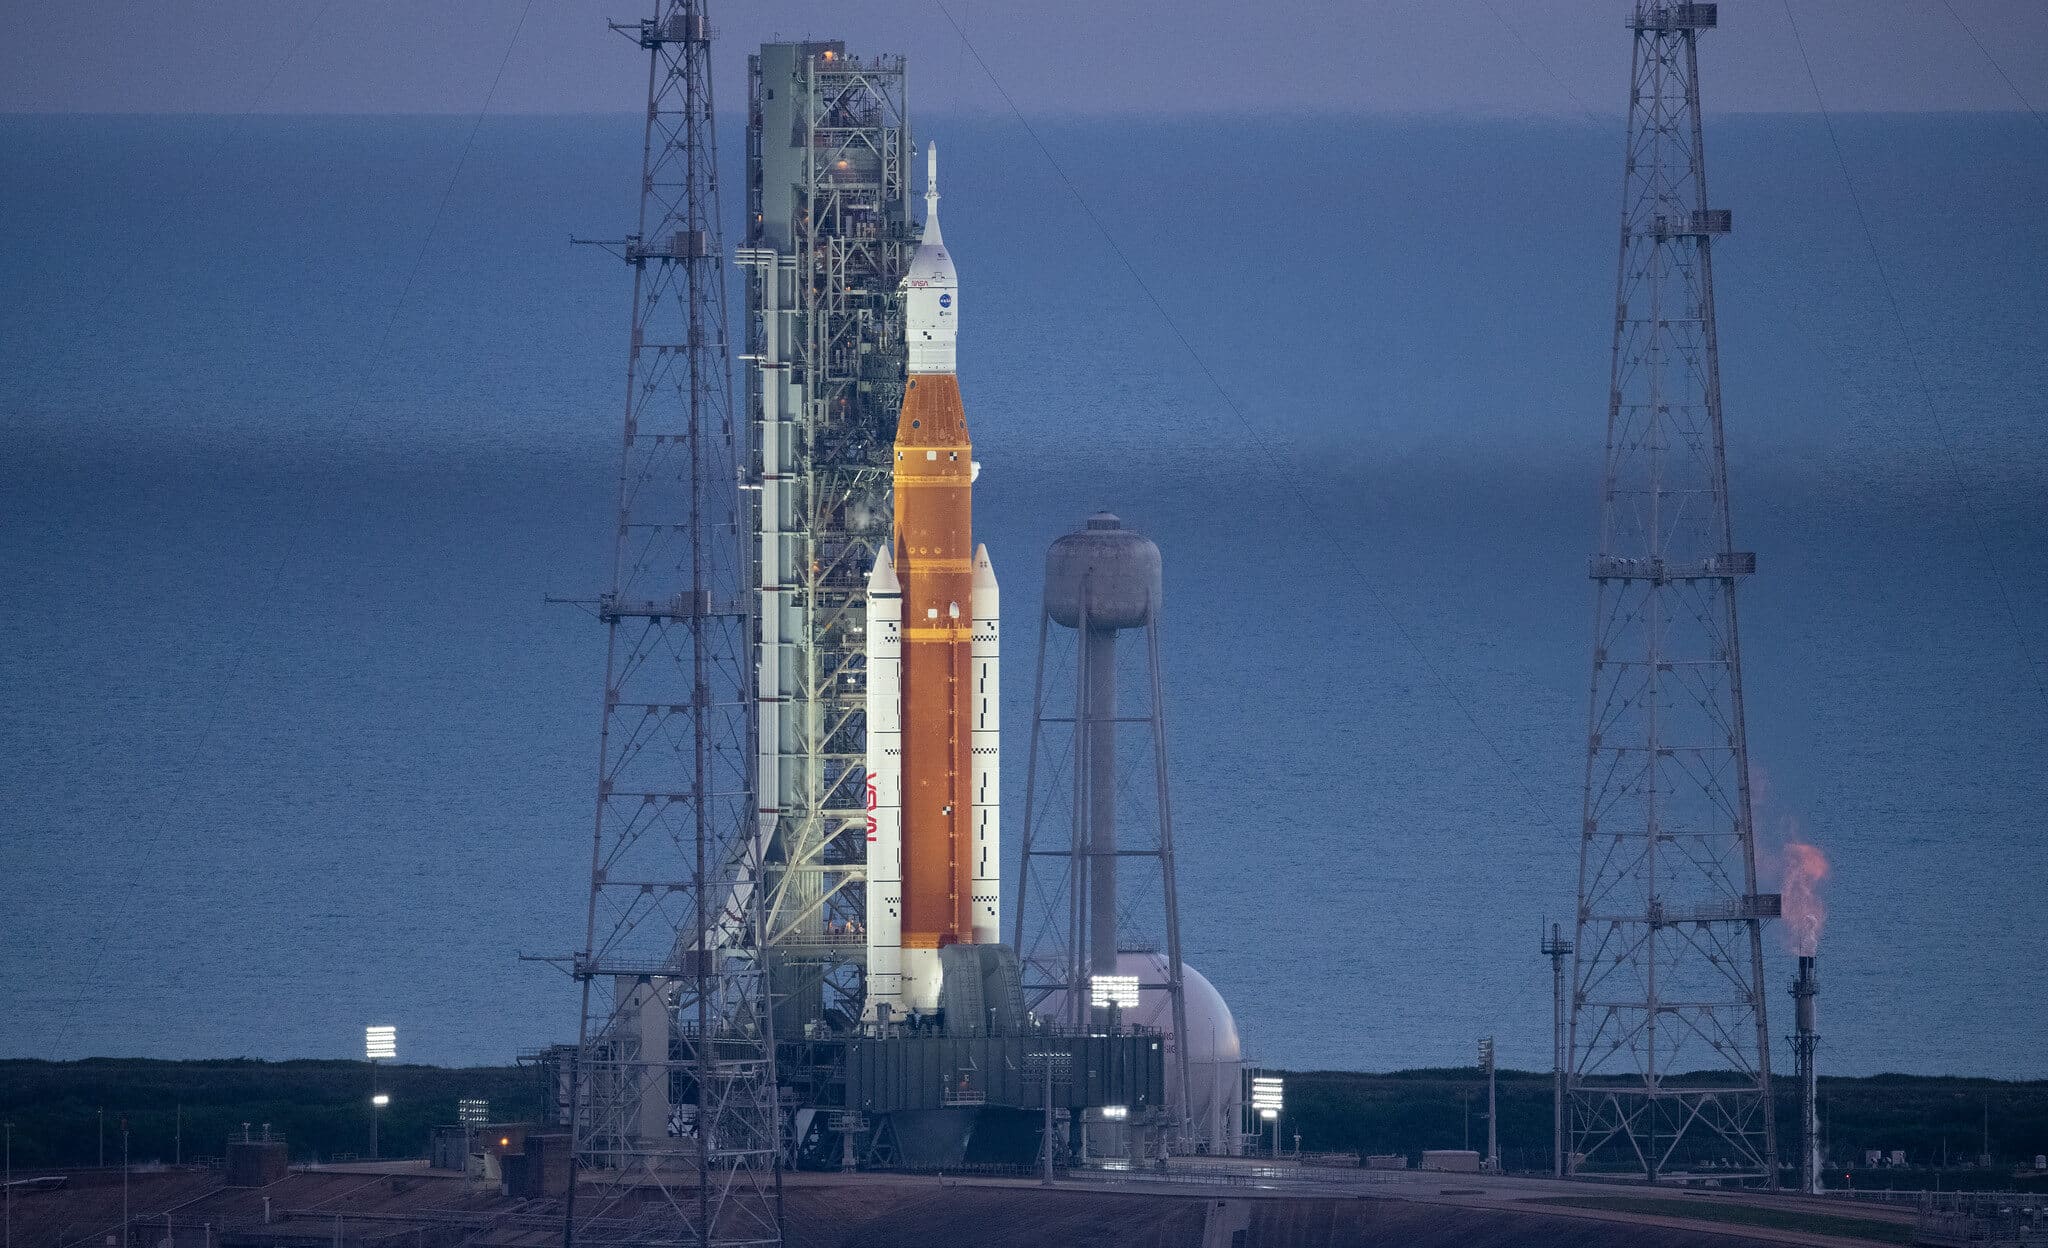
(934, 858)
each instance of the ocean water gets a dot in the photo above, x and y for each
(293, 452)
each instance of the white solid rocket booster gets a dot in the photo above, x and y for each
(885, 788)
(987, 743)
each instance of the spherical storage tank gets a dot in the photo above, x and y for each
(1116, 570)
(1215, 1057)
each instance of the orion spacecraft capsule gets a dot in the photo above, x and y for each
(934, 857)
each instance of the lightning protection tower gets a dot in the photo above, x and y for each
(673, 1094)
(1669, 1050)
(828, 240)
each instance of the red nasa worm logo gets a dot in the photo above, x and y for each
(871, 805)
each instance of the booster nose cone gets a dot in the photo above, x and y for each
(931, 288)
(882, 577)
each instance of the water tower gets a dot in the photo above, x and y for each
(1081, 971)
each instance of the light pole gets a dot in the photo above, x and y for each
(1492, 1132)
(102, 1111)
(9, 1185)
(124, 1181)
(1045, 1062)
(380, 1043)
(472, 1114)
(1557, 949)
(1114, 994)
(1045, 1130)
(1268, 1098)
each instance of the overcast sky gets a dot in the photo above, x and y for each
(1054, 56)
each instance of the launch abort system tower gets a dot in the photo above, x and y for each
(673, 1084)
(828, 240)
(1669, 1062)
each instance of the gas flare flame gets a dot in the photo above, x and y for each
(1804, 911)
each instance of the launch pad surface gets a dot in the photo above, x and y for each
(1191, 1206)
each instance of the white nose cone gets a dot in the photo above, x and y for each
(931, 289)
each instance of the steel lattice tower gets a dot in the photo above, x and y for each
(829, 235)
(673, 1095)
(1669, 1062)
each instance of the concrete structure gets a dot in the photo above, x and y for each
(255, 1163)
(538, 1169)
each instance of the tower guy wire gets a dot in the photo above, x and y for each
(1274, 459)
(1935, 417)
(238, 658)
(1989, 59)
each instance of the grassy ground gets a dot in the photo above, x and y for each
(1742, 1215)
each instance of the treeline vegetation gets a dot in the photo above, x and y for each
(1936, 1120)
(191, 1109)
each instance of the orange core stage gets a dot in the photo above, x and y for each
(934, 480)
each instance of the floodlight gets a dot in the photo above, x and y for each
(472, 1113)
(1266, 1095)
(381, 1099)
(380, 1043)
(1120, 991)
(1116, 1113)
(1269, 1114)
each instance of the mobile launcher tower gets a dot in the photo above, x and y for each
(901, 1017)
(828, 242)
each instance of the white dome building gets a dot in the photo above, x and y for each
(1215, 1059)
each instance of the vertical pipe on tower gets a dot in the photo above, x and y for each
(1081, 872)
(1100, 701)
(1806, 1039)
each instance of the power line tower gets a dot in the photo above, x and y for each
(1670, 1052)
(673, 1094)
